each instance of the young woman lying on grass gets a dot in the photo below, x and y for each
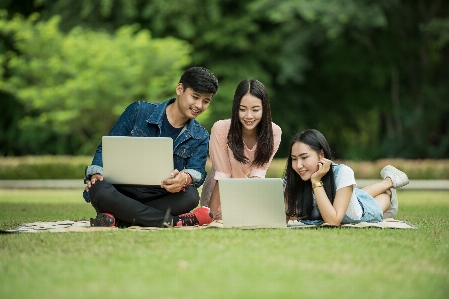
(318, 189)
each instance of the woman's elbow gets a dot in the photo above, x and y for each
(333, 221)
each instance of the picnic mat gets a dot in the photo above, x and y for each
(84, 226)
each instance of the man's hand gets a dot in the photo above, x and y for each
(176, 182)
(93, 179)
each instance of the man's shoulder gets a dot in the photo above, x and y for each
(142, 106)
(145, 105)
(149, 110)
(199, 130)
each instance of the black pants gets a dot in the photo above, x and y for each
(139, 205)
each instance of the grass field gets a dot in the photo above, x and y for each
(265, 263)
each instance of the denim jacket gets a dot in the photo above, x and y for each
(144, 119)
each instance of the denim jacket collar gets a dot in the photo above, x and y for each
(157, 116)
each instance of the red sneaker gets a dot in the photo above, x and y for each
(200, 216)
(103, 219)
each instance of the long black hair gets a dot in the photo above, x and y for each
(265, 143)
(298, 193)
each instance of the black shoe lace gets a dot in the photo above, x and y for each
(188, 219)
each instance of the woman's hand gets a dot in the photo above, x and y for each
(323, 167)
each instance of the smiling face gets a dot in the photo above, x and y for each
(304, 160)
(191, 103)
(250, 112)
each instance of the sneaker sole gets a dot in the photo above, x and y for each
(392, 210)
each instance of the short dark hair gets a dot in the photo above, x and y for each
(265, 143)
(200, 80)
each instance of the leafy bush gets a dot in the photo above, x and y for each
(72, 167)
(74, 86)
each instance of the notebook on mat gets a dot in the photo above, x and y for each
(137, 160)
(252, 203)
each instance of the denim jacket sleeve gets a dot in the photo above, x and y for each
(196, 163)
(122, 127)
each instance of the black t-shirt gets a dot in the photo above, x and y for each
(167, 130)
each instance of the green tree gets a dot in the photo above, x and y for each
(225, 37)
(73, 86)
(371, 72)
(371, 75)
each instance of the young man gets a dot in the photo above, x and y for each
(169, 204)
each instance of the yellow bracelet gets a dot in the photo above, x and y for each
(317, 184)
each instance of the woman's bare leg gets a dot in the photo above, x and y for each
(379, 188)
(384, 201)
(214, 203)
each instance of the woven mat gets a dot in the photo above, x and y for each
(386, 223)
(84, 226)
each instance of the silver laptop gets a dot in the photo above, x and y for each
(137, 160)
(253, 203)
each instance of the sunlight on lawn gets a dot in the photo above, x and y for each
(227, 263)
(41, 196)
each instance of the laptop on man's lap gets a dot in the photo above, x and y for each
(137, 160)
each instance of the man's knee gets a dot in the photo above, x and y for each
(100, 191)
(192, 197)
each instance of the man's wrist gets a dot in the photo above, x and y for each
(187, 182)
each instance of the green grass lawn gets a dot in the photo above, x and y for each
(266, 263)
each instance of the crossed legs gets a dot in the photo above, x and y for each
(141, 205)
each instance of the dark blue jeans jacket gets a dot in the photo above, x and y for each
(144, 119)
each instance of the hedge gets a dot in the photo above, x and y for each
(43, 167)
(72, 167)
(415, 169)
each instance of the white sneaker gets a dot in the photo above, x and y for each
(398, 177)
(394, 205)
(399, 180)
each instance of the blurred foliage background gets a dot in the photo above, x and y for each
(371, 75)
